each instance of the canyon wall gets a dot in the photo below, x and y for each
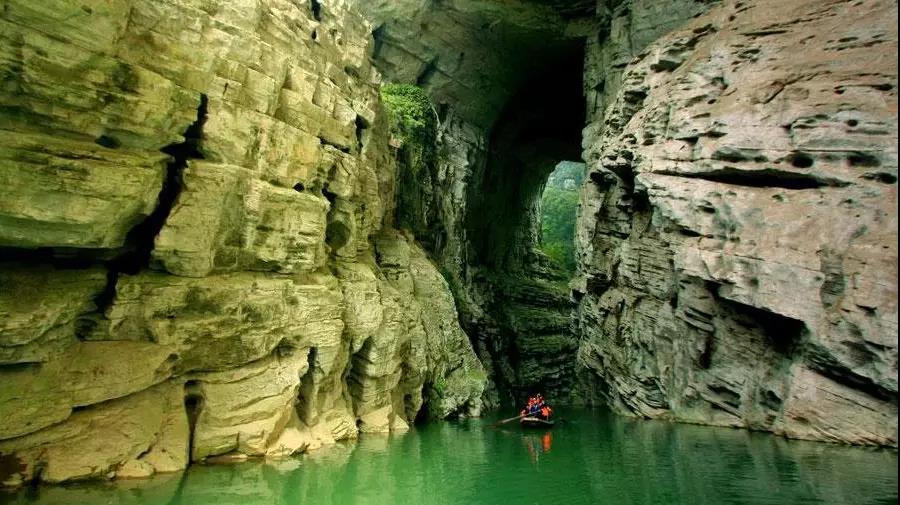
(738, 231)
(197, 259)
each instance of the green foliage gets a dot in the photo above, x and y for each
(559, 207)
(412, 116)
(440, 385)
(413, 122)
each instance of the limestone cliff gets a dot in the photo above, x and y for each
(738, 232)
(196, 243)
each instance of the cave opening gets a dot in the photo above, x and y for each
(526, 256)
(540, 127)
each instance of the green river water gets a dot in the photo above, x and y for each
(592, 458)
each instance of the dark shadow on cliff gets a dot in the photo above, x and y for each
(524, 335)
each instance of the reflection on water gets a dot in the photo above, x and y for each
(538, 445)
(593, 458)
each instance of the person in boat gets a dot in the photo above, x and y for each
(528, 406)
(535, 406)
(546, 412)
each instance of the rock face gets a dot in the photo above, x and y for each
(738, 232)
(693, 227)
(196, 252)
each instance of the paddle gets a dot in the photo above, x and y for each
(511, 419)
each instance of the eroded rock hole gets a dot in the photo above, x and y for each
(427, 73)
(378, 34)
(108, 142)
(784, 334)
(764, 178)
(882, 177)
(361, 126)
(337, 235)
(863, 159)
(801, 160)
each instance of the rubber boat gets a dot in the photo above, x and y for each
(535, 422)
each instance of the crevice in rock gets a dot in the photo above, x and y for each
(765, 178)
(337, 233)
(356, 374)
(409, 408)
(342, 148)
(827, 365)
(330, 196)
(426, 74)
(307, 385)
(378, 34)
(86, 324)
(709, 347)
(193, 404)
(61, 258)
(316, 8)
(140, 240)
(361, 126)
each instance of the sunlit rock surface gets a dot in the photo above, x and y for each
(738, 231)
(193, 192)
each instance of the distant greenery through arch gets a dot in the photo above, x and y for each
(559, 205)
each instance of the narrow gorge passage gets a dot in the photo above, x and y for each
(526, 335)
(279, 251)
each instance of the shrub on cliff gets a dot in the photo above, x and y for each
(414, 131)
(413, 121)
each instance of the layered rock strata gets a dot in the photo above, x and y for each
(738, 232)
(197, 254)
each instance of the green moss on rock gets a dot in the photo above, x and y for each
(414, 125)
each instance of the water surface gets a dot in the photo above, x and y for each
(593, 458)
